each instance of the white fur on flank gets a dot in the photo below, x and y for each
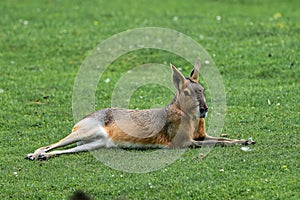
(100, 138)
(93, 132)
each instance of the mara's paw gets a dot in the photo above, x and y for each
(36, 154)
(30, 156)
(248, 142)
(42, 157)
(45, 156)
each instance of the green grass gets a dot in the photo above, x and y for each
(255, 46)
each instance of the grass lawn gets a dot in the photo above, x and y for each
(255, 45)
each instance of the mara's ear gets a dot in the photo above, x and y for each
(195, 73)
(178, 78)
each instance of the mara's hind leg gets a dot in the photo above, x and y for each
(70, 139)
(85, 131)
(93, 145)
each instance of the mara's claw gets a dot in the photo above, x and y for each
(248, 142)
(30, 157)
(42, 157)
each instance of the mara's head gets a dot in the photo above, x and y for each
(190, 94)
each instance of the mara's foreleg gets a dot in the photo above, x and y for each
(227, 141)
(200, 133)
(202, 138)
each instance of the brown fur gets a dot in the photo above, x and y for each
(200, 133)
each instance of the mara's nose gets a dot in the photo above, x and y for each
(203, 110)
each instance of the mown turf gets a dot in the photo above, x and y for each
(255, 45)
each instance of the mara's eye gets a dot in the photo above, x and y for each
(186, 93)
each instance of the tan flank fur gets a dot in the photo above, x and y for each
(180, 124)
